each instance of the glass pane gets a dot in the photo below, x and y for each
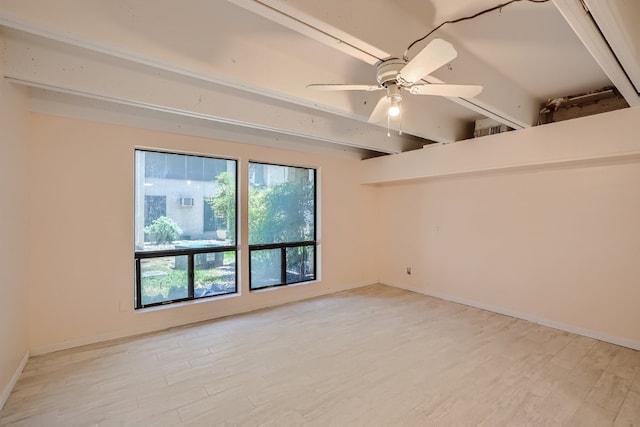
(184, 201)
(215, 274)
(208, 217)
(163, 279)
(212, 168)
(154, 208)
(300, 264)
(266, 268)
(281, 204)
(194, 168)
(155, 165)
(176, 166)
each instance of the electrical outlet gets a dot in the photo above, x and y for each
(408, 270)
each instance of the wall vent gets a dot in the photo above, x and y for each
(488, 126)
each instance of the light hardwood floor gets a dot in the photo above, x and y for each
(371, 356)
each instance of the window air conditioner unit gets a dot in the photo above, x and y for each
(186, 201)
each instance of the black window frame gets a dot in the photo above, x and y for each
(283, 246)
(189, 252)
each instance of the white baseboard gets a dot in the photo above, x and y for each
(14, 379)
(65, 345)
(624, 342)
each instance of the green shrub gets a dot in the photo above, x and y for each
(163, 230)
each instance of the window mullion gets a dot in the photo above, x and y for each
(191, 275)
(283, 265)
(138, 284)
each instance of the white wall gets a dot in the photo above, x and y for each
(13, 233)
(557, 243)
(81, 283)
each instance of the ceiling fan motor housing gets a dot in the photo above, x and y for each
(388, 70)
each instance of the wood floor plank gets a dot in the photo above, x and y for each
(625, 364)
(629, 414)
(636, 384)
(589, 415)
(574, 352)
(609, 392)
(369, 356)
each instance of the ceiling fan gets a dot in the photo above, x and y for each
(395, 75)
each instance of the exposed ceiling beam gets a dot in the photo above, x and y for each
(311, 27)
(61, 28)
(92, 109)
(618, 21)
(588, 32)
(44, 63)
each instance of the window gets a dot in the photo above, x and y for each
(282, 225)
(184, 251)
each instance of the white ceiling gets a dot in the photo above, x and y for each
(224, 68)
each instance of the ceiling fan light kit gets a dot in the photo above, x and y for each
(395, 97)
(395, 75)
(394, 109)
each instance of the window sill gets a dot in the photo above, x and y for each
(186, 303)
(275, 288)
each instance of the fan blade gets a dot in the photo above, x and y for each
(456, 91)
(434, 55)
(380, 112)
(368, 88)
